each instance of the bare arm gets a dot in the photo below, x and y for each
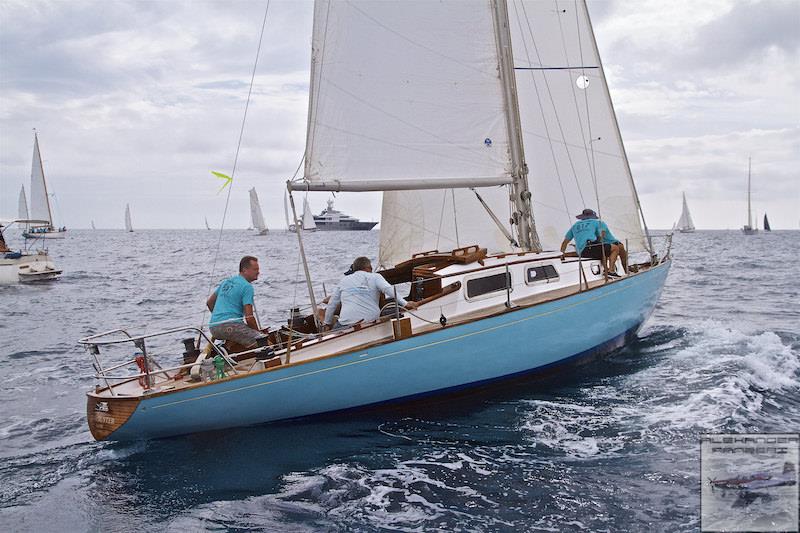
(211, 301)
(249, 317)
(564, 244)
(388, 290)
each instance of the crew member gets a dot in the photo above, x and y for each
(231, 306)
(359, 293)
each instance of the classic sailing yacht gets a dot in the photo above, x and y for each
(256, 215)
(685, 224)
(40, 201)
(485, 157)
(128, 224)
(748, 229)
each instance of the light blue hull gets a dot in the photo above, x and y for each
(529, 340)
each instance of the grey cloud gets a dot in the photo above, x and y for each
(746, 32)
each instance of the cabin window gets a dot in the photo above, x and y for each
(541, 274)
(488, 284)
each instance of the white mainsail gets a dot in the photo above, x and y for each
(308, 217)
(572, 141)
(22, 212)
(256, 216)
(93, 226)
(425, 109)
(685, 222)
(128, 225)
(40, 203)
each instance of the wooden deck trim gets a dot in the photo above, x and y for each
(119, 410)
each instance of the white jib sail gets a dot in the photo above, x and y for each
(22, 212)
(685, 222)
(256, 216)
(572, 142)
(289, 225)
(405, 95)
(128, 225)
(308, 216)
(40, 204)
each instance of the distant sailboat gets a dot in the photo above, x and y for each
(206, 221)
(128, 225)
(256, 215)
(685, 224)
(93, 226)
(766, 223)
(40, 201)
(307, 219)
(749, 229)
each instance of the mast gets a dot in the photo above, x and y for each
(520, 194)
(749, 216)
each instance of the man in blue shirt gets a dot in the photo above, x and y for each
(231, 306)
(594, 240)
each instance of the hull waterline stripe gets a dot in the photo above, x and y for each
(360, 361)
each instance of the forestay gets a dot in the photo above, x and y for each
(405, 95)
(40, 206)
(572, 143)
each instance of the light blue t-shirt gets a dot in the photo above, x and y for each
(583, 231)
(609, 238)
(232, 295)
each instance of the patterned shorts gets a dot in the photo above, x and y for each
(238, 333)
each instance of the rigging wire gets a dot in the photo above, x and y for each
(587, 150)
(238, 148)
(590, 150)
(552, 103)
(541, 109)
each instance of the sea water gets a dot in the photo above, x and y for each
(610, 446)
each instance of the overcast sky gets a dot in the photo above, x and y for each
(138, 101)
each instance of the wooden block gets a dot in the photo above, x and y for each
(401, 327)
